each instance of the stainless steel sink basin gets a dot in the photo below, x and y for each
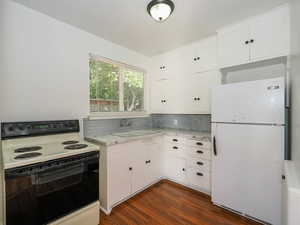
(135, 133)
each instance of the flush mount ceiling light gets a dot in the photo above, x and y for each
(160, 10)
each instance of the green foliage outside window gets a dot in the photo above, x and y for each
(105, 82)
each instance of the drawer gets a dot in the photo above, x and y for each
(198, 153)
(198, 143)
(199, 164)
(198, 178)
(175, 149)
(174, 139)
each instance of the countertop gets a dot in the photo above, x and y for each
(113, 139)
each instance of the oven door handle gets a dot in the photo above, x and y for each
(58, 174)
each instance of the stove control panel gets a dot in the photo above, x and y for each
(37, 128)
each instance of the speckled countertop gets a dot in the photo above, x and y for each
(113, 139)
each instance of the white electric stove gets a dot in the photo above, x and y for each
(24, 151)
(51, 174)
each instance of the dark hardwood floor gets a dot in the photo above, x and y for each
(168, 203)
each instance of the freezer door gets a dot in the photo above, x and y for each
(246, 169)
(250, 102)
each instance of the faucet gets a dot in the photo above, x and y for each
(125, 123)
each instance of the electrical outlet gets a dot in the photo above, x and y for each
(175, 122)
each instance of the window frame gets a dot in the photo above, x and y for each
(121, 114)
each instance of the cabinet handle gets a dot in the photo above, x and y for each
(200, 163)
(183, 169)
(175, 147)
(198, 58)
(198, 99)
(246, 42)
(130, 168)
(200, 152)
(283, 177)
(200, 174)
(252, 41)
(176, 140)
(199, 143)
(148, 161)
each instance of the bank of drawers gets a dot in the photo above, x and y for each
(197, 159)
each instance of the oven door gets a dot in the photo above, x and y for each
(41, 193)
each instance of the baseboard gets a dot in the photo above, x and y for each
(188, 187)
(106, 212)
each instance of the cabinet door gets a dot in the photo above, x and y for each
(161, 68)
(197, 92)
(175, 168)
(203, 56)
(232, 47)
(119, 175)
(270, 34)
(140, 177)
(158, 96)
(153, 159)
(162, 96)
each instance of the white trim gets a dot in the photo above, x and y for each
(116, 63)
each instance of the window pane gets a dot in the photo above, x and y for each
(104, 87)
(133, 90)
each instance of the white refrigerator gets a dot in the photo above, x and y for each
(248, 128)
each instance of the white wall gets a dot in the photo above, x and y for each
(295, 78)
(44, 71)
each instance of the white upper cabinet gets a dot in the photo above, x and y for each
(201, 56)
(270, 34)
(163, 96)
(232, 46)
(180, 79)
(260, 38)
(196, 91)
(165, 66)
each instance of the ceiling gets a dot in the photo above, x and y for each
(126, 22)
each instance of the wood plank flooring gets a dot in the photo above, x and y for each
(168, 203)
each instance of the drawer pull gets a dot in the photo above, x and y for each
(200, 163)
(176, 140)
(175, 147)
(130, 168)
(148, 161)
(199, 143)
(200, 174)
(183, 169)
(200, 152)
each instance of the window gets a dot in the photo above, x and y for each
(115, 87)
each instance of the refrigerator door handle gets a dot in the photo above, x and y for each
(215, 145)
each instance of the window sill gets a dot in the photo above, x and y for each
(121, 115)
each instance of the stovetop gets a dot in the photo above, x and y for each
(30, 150)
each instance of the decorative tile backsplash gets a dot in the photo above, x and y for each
(185, 122)
(108, 126)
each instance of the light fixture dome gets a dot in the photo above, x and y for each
(160, 10)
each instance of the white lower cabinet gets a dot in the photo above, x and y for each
(198, 178)
(175, 169)
(118, 174)
(128, 168)
(186, 160)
